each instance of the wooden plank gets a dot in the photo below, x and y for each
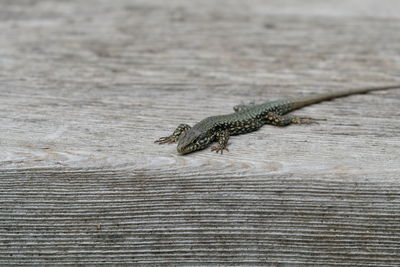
(86, 87)
(114, 217)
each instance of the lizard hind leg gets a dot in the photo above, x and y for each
(174, 136)
(242, 106)
(279, 120)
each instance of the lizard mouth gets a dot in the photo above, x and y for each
(185, 144)
(181, 149)
(186, 149)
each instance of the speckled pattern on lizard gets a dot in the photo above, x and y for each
(248, 118)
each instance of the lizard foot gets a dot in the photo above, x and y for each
(219, 148)
(175, 136)
(166, 140)
(304, 120)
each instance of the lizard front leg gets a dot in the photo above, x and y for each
(278, 120)
(222, 139)
(174, 136)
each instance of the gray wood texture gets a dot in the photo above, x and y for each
(87, 86)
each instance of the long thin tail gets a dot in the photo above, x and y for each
(306, 101)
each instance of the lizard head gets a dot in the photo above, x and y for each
(192, 140)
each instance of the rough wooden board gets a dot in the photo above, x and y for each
(87, 86)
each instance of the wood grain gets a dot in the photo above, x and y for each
(87, 86)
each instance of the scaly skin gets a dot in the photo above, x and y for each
(248, 118)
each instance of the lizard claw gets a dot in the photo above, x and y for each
(166, 140)
(219, 149)
(305, 120)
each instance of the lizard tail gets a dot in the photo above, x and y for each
(306, 101)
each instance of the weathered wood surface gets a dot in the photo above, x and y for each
(87, 86)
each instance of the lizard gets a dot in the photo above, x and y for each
(249, 118)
